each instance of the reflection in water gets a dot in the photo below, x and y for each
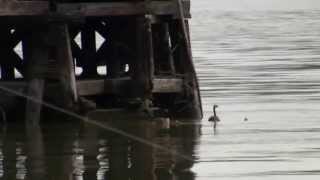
(103, 160)
(1, 154)
(20, 163)
(78, 161)
(76, 151)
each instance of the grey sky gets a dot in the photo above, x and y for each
(256, 4)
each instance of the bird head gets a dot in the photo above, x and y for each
(215, 106)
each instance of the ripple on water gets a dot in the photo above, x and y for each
(264, 66)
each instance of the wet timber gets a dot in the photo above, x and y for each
(110, 53)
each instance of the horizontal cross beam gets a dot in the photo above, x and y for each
(24, 8)
(111, 86)
(41, 8)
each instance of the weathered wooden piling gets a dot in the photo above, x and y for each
(145, 52)
(37, 58)
(50, 60)
(163, 52)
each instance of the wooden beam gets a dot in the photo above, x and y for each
(109, 86)
(40, 8)
(163, 85)
(23, 8)
(119, 86)
(90, 87)
(119, 8)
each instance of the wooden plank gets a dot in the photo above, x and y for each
(119, 85)
(23, 8)
(39, 8)
(109, 86)
(90, 87)
(119, 8)
(163, 85)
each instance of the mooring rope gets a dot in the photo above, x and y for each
(98, 124)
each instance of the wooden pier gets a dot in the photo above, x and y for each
(105, 53)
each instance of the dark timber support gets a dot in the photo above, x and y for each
(49, 59)
(117, 47)
(88, 41)
(145, 50)
(7, 71)
(63, 69)
(144, 65)
(162, 51)
(36, 56)
(191, 103)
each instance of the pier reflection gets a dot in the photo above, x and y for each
(80, 151)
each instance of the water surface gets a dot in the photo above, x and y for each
(263, 66)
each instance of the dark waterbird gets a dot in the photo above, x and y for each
(214, 118)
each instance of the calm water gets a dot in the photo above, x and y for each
(263, 66)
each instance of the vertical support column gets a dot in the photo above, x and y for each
(64, 69)
(163, 58)
(144, 65)
(118, 26)
(179, 33)
(34, 103)
(184, 65)
(88, 41)
(49, 57)
(177, 50)
(7, 70)
(37, 57)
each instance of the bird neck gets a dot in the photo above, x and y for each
(214, 111)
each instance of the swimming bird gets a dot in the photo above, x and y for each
(214, 118)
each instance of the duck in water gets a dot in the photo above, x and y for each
(215, 119)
